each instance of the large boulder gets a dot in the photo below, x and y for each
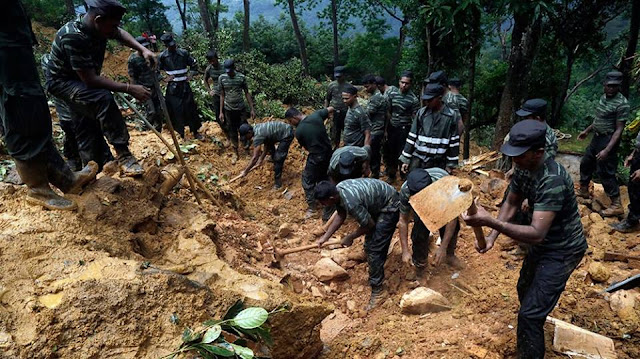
(327, 270)
(423, 300)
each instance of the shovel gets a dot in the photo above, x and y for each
(442, 201)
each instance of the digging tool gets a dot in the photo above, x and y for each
(278, 254)
(171, 149)
(444, 200)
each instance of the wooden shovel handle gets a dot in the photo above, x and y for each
(305, 248)
(477, 230)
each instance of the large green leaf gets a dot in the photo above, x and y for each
(243, 352)
(251, 318)
(212, 334)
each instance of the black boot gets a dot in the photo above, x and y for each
(625, 226)
(129, 166)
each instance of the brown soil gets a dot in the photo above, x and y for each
(78, 285)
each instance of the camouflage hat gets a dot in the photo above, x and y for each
(613, 78)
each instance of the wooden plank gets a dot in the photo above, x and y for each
(620, 257)
(573, 340)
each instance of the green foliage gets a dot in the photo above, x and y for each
(284, 82)
(210, 343)
(47, 12)
(145, 15)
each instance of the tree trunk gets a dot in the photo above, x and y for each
(246, 42)
(299, 37)
(147, 20)
(475, 47)
(559, 101)
(429, 44)
(401, 38)
(216, 18)
(627, 61)
(71, 8)
(334, 23)
(182, 11)
(524, 41)
(203, 5)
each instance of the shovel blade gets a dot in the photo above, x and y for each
(441, 202)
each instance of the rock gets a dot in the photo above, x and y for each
(7, 188)
(5, 339)
(316, 292)
(596, 218)
(494, 187)
(351, 305)
(423, 300)
(90, 206)
(600, 196)
(622, 299)
(598, 272)
(356, 254)
(285, 230)
(629, 317)
(570, 339)
(584, 210)
(339, 256)
(327, 270)
(586, 223)
(110, 168)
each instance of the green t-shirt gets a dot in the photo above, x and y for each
(609, 111)
(271, 132)
(550, 188)
(365, 198)
(377, 108)
(312, 134)
(435, 173)
(355, 124)
(233, 88)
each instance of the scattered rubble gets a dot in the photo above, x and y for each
(327, 270)
(423, 300)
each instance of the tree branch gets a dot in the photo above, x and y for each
(391, 13)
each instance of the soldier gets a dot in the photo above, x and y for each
(73, 75)
(141, 74)
(312, 136)
(374, 205)
(382, 85)
(334, 99)
(602, 153)
(378, 111)
(232, 106)
(213, 72)
(403, 104)
(349, 162)
(416, 181)
(457, 102)
(357, 127)
(180, 102)
(25, 118)
(555, 232)
(268, 134)
(631, 223)
(433, 140)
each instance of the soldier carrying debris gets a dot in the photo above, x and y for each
(73, 75)
(25, 117)
(374, 205)
(555, 233)
(268, 134)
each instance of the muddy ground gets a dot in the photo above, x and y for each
(110, 279)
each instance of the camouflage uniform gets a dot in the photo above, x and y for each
(361, 155)
(334, 97)
(369, 199)
(181, 105)
(270, 133)
(214, 73)
(609, 111)
(141, 74)
(403, 108)
(93, 111)
(356, 123)
(235, 109)
(378, 107)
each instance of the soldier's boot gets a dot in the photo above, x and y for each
(129, 166)
(626, 226)
(583, 192)
(615, 209)
(83, 177)
(378, 295)
(277, 184)
(34, 175)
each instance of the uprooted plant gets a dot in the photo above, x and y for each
(232, 337)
